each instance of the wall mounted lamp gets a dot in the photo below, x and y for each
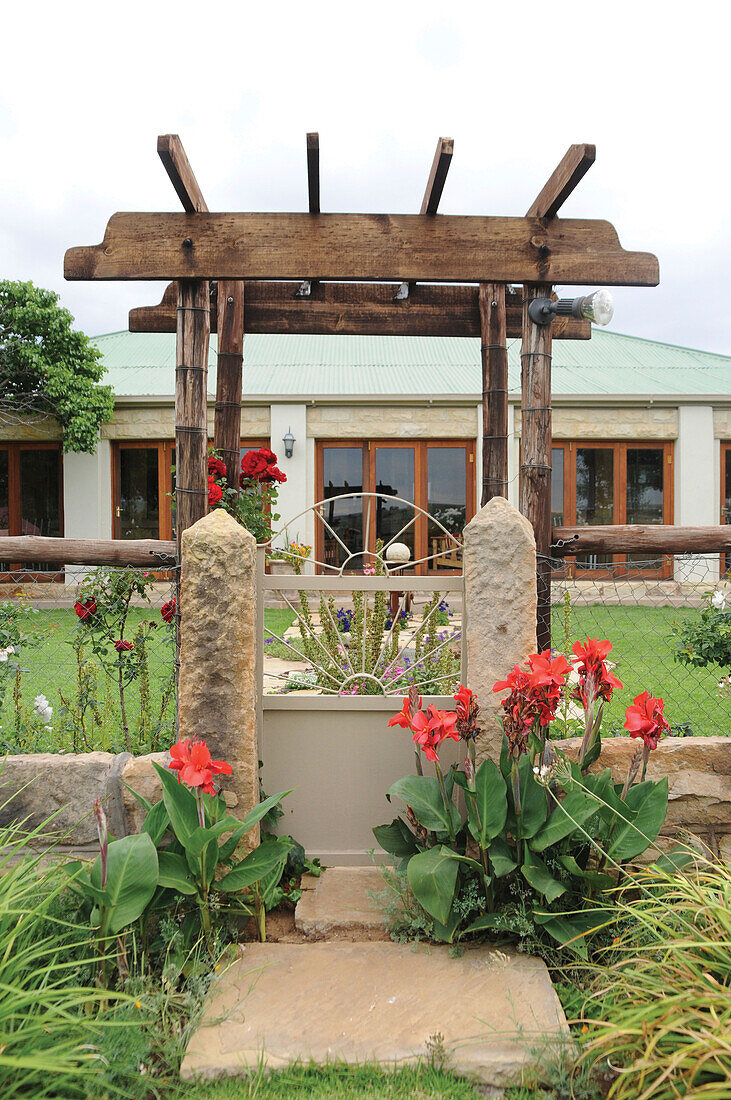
(289, 442)
(597, 307)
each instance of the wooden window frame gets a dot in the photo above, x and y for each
(420, 448)
(620, 448)
(15, 573)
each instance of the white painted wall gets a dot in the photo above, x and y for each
(87, 498)
(697, 491)
(295, 494)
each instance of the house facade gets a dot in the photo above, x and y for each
(641, 434)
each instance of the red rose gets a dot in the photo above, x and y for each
(268, 456)
(215, 493)
(253, 464)
(273, 473)
(122, 646)
(168, 610)
(86, 609)
(216, 467)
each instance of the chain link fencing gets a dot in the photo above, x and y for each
(90, 665)
(644, 617)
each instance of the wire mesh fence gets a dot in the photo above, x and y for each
(654, 614)
(89, 665)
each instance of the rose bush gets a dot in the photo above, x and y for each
(541, 838)
(253, 500)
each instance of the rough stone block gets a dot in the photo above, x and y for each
(217, 685)
(497, 1012)
(39, 784)
(499, 565)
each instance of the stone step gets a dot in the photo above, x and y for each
(340, 907)
(488, 1015)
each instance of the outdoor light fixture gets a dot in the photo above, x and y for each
(597, 307)
(288, 442)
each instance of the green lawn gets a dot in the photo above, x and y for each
(643, 650)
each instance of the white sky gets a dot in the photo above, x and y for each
(87, 87)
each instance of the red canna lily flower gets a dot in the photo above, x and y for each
(85, 609)
(192, 761)
(467, 711)
(590, 658)
(432, 728)
(644, 718)
(405, 715)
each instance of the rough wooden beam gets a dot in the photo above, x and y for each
(400, 247)
(172, 154)
(313, 172)
(494, 355)
(573, 167)
(535, 467)
(191, 404)
(227, 415)
(437, 176)
(637, 538)
(364, 309)
(146, 553)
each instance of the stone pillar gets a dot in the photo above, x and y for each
(500, 606)
(697, 496)
(217, 687)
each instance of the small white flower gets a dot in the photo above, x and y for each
(42, 708)
(10, 649)
(3, 654)
(718, 599)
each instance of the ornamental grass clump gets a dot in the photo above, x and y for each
(543, 838)
(659, 1011)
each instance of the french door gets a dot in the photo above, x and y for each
(436, 475)
(31, 500)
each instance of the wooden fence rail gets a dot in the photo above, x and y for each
(142, 553)
(637, 538)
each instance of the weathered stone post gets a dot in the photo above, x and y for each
(499, 564)
(217, 688)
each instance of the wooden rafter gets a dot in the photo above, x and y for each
(361, 246)
(313, 172)
(365, 309)
(437, 176)
(172, 154)
(572, 168)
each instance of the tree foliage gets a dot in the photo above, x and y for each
(47, 368)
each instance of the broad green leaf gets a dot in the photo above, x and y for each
(262, 809)
(570, 929)
(80, 881)
(423, 795)
(484, 923)
(534, 808)
(144, 802)
(132, 870)
(677, 859)
(180, 804)
(501, 857)
(397, 839)
(432, 877)
(540, 878)
(633, 837)
(445, 932)
(227, 849)
(576, 808)
(595, 879)
(173, 873)
(258, 863)
(488, 810)
(198, 840)
(472, 863)
(156, 823)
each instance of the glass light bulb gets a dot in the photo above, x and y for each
(598, 307)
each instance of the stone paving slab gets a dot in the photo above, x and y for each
(340, 907)
(497, 1013)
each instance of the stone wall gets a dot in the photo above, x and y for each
(158, 422)
(392, 421)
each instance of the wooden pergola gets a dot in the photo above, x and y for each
(404, 274)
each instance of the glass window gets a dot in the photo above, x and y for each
(30, 496)
(645, 494)
(594, 495)
(139, 493)
(395, 477)
(446, 502)
(342, 470)
(557, 460)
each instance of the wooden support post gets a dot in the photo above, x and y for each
(493, 346)
(535, 467)
(227, 420)
(191, 411)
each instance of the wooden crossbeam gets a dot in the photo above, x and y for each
(313, 172)
(437, 176)
(172, 154)
(149, 553)
(574, 165)
(399, 247)
(638, 538)
(361, 309)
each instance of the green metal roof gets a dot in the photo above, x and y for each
(142, 364)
